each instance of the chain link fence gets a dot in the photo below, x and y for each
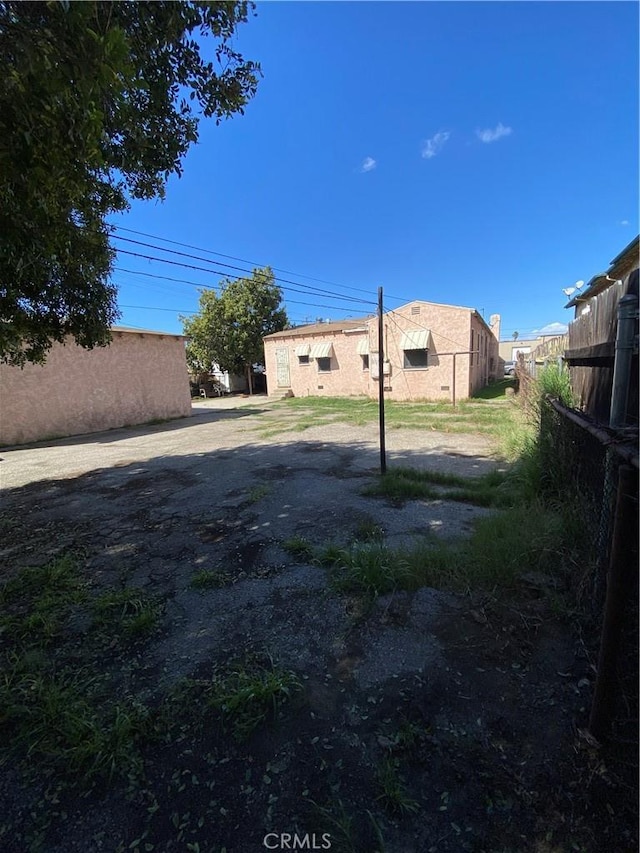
(581, 466)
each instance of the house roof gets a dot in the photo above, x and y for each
(321, 328)
(133, 330)
(620, 266)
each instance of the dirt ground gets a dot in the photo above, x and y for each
(425, 721)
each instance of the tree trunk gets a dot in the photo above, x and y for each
(249, 379)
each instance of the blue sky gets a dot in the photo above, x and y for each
(471, 153)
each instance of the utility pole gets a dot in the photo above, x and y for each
(383, 452)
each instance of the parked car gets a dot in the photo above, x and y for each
(509, 368)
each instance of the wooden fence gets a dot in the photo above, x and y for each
(590, 353)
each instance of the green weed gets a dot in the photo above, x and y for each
(394, 795)
(368, 531)
(209, 579)
(491, 489)
(298, 547)
(127, 612)
(370, 568)
(246, 697)
(243, 695)
(59, 720)
(256, 493)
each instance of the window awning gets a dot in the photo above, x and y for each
(303, 349)
(363, 346)
(321, 350)
(416, 339)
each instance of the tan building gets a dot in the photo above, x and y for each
(431, 351)
(141, 376)
(509, 350)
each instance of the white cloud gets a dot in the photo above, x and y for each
(432, 146)
(368, 164)
(551, 329)
(492, 135)
(624, 222)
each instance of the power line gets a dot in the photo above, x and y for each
(420, 326)
(306, 288)
(244, 261)
(165, 277)
(234, 258)
(180, 311)
(308, 291)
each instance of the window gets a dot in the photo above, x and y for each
(416, 358)
(302, 352)
(415, 346)
(324, 365)
(365, 361)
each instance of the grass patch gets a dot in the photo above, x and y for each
(209, 579)
(56, 714)
(37, 601)
(490, 415)
(243, 696)
(368, 531)
(369, 568)
(298, 547)
(393, 792)
(494, 489)
(503, 546)
(127, 612)
(256, 493)
(61, 722)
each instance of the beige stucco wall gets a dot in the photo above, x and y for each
(138, 378)
(450, 327)
(346, 377)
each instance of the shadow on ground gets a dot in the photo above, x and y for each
(425, 721)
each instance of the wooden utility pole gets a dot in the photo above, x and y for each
(383, 451)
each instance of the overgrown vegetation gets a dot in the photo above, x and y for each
(533, 532)
(490, 413)
(62, 712)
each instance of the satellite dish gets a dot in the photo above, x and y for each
(579, 284)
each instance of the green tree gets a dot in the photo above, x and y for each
(99, 102)
(228, 328)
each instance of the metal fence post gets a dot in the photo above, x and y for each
(627, 313)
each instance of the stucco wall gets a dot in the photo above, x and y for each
(346, 377)
(450, 328)
(138, 378)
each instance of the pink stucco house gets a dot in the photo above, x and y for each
(431, 351)
(141, 376)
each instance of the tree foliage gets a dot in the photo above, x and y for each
(99, 102)
(228, 328)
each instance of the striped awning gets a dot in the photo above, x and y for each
(321, 350)
(363, 346)
(303, 349)
(416, 339)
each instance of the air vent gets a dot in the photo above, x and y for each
(415, 309)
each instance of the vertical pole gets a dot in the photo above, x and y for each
(453, 381)
(627, 313)
(383, 452)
